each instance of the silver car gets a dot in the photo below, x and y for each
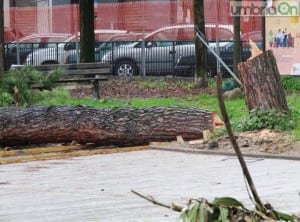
(60, 53)
(155, 57)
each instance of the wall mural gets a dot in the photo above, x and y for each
(283, 37)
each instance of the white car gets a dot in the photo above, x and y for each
(58, 55)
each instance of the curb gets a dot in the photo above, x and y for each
(224, 153)
(62, 152)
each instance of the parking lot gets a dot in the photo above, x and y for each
(98, 187)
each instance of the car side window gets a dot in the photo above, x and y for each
(184, 42)
(28, 45)
(150, 44)
(12, 49)
(70, 46)
(104, 45)
(49, 45)
(164, 43)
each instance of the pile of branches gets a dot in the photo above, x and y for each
(224, 209)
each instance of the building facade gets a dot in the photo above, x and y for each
(25, 17)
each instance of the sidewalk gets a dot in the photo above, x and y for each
(97, 187)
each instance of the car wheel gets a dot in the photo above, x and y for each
(126, 68)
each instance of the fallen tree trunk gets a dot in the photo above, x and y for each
(261, 83)
(118, 126)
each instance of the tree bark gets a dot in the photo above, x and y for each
(2, 61)
(200, 49)
(87, 36)
(260, 79)
(117, 126)
(237, 50)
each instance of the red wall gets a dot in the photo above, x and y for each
(137, 16)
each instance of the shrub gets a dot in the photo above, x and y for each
(48, 81)
(21, 79)
(5, 98)
(290, 83)
(270, 119)
(229, 84)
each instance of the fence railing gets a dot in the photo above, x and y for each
(136, 58)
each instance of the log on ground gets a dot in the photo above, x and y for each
(115, 126)
(261, 83)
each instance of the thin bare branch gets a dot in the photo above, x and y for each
(259, 205)
(173, 206)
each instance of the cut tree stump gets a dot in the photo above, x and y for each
(117, 126)
(260, 79)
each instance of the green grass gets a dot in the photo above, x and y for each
(294, 106)
(236, 109)
(59, 96)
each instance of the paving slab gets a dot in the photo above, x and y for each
(98, 187)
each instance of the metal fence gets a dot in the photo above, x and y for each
(125, 57)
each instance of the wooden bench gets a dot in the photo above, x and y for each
(80, 72)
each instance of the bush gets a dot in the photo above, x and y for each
(5, 98)
(271, 119)
(229, 84)
(48, 81)
(290, 83)
(21, 80)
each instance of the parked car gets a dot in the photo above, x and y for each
(159, 57)
(101, 48)
(58, 54)
(25, 45)
(185, 65)
(160, 50)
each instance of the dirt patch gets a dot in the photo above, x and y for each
(126, 88)
(264, 141)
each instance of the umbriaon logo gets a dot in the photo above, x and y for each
(264, 8)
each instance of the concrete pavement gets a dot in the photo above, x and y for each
(97, 187)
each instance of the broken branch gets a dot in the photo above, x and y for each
(173, 206)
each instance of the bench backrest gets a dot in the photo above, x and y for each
(79, 68)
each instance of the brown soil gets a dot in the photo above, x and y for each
(256, 142)
(126, 88)
(263, 141)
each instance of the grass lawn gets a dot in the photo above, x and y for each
(236, 108)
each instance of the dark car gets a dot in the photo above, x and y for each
(185, 65)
